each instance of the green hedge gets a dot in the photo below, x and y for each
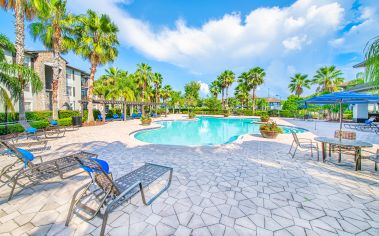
(16, 128)
(65, 122)
(40, 124)
(62, 114)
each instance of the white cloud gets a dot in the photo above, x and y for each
(204, 88)
(299, 35)
(294, 43)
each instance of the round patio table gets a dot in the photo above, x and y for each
(356, 144)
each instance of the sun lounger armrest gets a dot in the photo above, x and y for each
(120, 197)
(307, 139)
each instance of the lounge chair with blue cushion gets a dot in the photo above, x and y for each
(21, 169)
(116, 117)
(103, 194)
(368, 124)
(100, 117)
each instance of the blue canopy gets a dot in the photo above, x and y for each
(344, 98)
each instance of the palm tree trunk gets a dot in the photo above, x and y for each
(253, 100)
(143, 98)
(222, 98)
(55, 85)
(20, 38)
(90, 92)
(226, 99)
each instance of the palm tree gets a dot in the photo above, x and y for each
(53, 27)
(143, 76)
(157, 81)
(126, 87)
(328, 79)
(214, 88)
(229, 78)
(96, 40)
(298, 82)
(242, 94)
(255, 78)
(222, 85)
(11, 86)
(23, 9)
(372, 61)
(166, 92)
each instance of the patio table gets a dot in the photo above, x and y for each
(356, 144)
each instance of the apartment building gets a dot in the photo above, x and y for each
(71, 89)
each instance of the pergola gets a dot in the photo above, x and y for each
(124, 104)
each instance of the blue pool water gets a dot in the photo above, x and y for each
(203, 131)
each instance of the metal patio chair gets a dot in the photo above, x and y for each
(52, 131)
(303, 143)
(103, 194)
(22, 168)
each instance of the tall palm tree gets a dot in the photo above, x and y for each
(53, 27)
(166, 92)
(255, 79)
(328, 79)
(143, 76)
(372, 61)
(298, 82)
(11, 86)
(96, 40)
(229, 78)
(126, 87)
(242, 94)
(157, 81)
(23, 9)
(214, 88)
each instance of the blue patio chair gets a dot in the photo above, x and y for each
(116, 117)
(24, 167)
(103, 192)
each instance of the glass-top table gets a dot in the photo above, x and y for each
(356, 144)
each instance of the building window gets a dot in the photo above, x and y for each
(69, 91)
(28, 106)
(27, 88)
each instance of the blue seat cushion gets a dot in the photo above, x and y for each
(368, 122)
(54, 122)
(31, 130)
(104, 165)
(26, 155)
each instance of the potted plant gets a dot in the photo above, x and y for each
(270, 130)
(145, 120)
(191, 115)
(265, 118)
(226, 113)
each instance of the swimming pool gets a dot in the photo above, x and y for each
(203, 131)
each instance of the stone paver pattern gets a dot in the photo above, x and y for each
(249, 187)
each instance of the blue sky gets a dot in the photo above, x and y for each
(196, 40)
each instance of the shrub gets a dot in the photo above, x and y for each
(62, 114)
(265, 118)
(271, 126)
(40, 124)
(38, 115)
(14, 128)
(191, 114)
(65, 122)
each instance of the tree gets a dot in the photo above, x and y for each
(192, 94)
(143, 77)
(292, 103)
(23, 9)
(252, 79)
(166, 92)
(157, 81)
(10, 74)
(242, 94)
(53, 27)
(176, 100)
(372, 61)
(96, 40)
(226, 79)
(214, 88)
(298, 82)
(328, 79)
(212, 103)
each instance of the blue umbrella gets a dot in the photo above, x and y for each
(343, 98)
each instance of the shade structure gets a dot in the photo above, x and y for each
(343, 98)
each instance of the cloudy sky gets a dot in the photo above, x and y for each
(196, 40)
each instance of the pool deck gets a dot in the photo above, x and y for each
(249, 187)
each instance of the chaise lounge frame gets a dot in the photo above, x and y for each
(110, 193)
